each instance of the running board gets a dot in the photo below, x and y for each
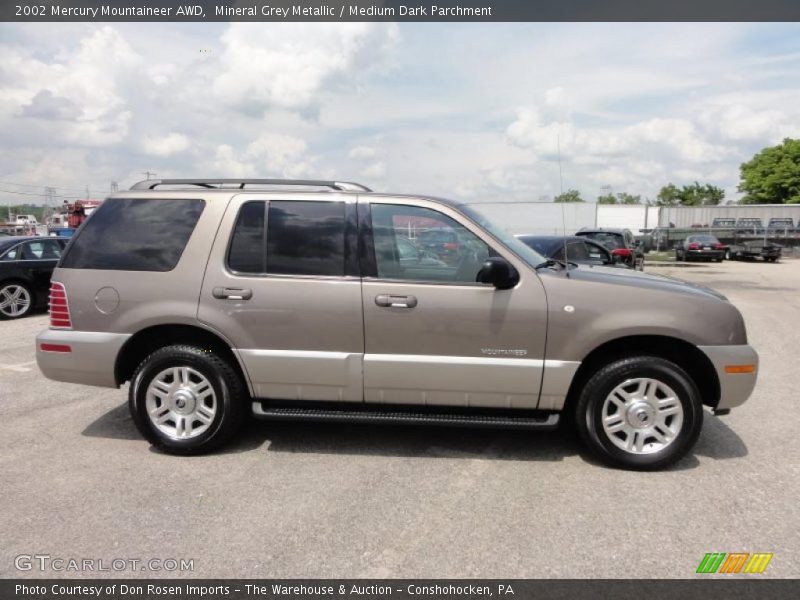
(405, 417)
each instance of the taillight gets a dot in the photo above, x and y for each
(694, 246)
(719, 246)
(59, 307)
(623, 252)
(450, 246)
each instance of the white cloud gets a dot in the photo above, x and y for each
(362, 152)
(270, 155)
(288, 65)
(376, 170)
(166, 145)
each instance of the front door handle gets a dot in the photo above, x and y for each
(225, 293)
(389, 301)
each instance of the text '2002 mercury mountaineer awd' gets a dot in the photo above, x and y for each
(323, 300)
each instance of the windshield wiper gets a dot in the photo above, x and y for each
(552, 262)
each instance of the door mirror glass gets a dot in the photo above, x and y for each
(498, 272)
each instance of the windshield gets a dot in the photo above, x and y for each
(703, 239)
(612, 241)
(529, 255)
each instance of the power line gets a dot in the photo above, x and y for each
(40, 186)
(37, 195)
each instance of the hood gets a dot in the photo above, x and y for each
(631, 278)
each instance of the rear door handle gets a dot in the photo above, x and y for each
(389, 301)
(224, 293)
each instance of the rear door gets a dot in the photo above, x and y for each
(282, 284)
(39, 258)
(433, 335)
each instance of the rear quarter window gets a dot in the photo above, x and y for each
(134, 234)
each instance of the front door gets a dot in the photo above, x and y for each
(433, 335)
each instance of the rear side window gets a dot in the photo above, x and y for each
(134, 234)
(246, 253)
(301, 238)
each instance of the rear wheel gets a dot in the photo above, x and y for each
(186, 400)
(16, 300)
(639, 413)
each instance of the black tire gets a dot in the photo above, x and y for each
(7, 285)
(231, 398)
(589, 412)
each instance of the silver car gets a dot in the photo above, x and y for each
(217, 299)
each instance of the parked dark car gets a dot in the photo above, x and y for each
(579, 249)
(620, 242)
(750, 250)
(26, 264)
(701, 247)
(441, 243)
(723, 222)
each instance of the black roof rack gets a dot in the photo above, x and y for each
(151, 184)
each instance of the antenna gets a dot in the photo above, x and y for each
(563, 216)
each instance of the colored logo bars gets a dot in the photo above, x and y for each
(734, 562)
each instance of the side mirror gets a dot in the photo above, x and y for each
(499, 272)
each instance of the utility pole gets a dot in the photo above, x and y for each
(49, 196)
(148, 174)
(114, 187)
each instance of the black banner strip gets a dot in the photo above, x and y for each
(391, 10)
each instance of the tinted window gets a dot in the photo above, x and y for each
(246, 253)
(609, 240)
(305, 238)
(41, 250)
(577, 251)
(457, 260)
(134, 235)
(12, 254)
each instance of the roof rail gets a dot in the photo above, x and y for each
(151, 184)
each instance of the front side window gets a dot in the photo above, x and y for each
(420, 244)
(134, 234)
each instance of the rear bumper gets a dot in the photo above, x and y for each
(91, 358)
(707, 254)
(735, 388)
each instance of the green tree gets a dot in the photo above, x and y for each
(772, 176)
(701, 195)
(669, 195)
(607, 199)
(625, 198)
(690, 195)
(569, 196)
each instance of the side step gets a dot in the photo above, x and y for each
(406, 416)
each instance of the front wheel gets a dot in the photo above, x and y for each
(186, 400)
(641, 413)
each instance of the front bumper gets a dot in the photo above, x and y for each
(735, 387)
(91, 358)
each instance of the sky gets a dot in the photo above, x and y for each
(475, 112)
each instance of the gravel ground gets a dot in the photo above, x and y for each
(299, 500)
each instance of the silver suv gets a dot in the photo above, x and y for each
(322, 300)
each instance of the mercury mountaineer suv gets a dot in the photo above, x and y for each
(312, 300)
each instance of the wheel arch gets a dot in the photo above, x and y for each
(686, 355)
(150, 339)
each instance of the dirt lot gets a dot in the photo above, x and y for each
(364, 501)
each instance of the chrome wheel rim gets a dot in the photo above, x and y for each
(15, 300)
(642, 415)
(181, 403)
